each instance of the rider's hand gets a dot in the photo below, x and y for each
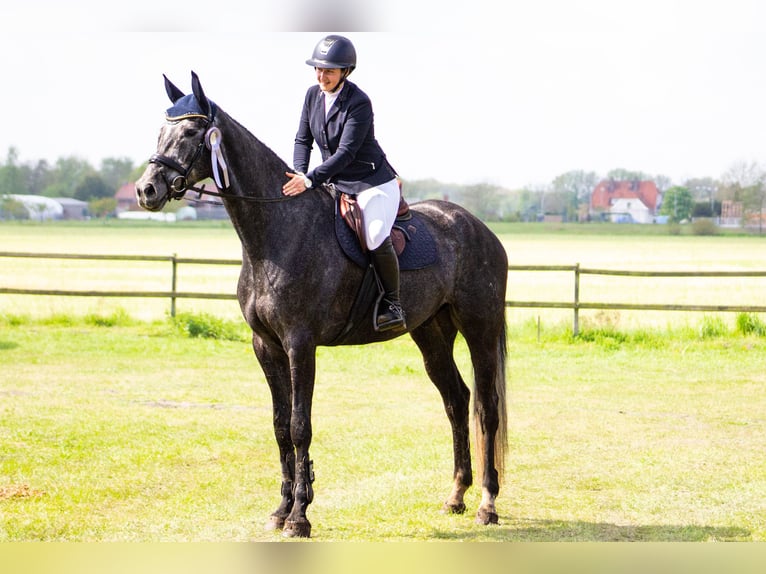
(295, 185)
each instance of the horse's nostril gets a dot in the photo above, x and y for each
(147, 191)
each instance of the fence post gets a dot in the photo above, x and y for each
(576, 326)
(174, 259)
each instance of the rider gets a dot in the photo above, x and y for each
(338, 116)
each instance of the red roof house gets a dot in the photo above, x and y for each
(608, 191)
(126, 198)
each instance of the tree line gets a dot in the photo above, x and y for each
(568, 195)
(70, 177)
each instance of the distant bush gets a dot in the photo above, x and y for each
(704, 226)
(674, 228)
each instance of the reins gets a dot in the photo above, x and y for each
(202, 191)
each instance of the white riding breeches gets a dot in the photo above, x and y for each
(379, 206)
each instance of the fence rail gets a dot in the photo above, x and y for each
(576, 304)
(173, 294)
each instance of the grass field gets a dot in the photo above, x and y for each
(117, 429)
(137, 433)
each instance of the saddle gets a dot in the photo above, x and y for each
(413, 242)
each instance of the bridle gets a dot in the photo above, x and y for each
(180, 184)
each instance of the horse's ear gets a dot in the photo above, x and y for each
(204, 103)
(173, 93)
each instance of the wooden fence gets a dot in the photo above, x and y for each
(576, 304)
(173, 294)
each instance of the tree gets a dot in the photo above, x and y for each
(429, 189)
(11, 175)
(622, 174)
(746, 183)
(578, 186)
(483, 200)
(67, 175)
(678, 204)
(92, 187)
(12, 209)
(116, 171)
(743, 174)
(39, 177)
(663, 182)
(704, 190)
(102, 207)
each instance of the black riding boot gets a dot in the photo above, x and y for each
(390, 313)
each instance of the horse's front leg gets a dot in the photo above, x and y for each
(276, 368)
(302, 371)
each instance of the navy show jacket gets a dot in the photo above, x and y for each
(352, 159)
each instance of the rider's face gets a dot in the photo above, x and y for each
(328, 78)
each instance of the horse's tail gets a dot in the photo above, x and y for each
(501, 437)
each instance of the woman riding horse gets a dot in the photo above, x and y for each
(464, 293)
(338, 116)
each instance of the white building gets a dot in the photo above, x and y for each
(629, 210)
(39, 208)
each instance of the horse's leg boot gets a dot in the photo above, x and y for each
(390, 314)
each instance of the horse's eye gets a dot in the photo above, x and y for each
(190, 132)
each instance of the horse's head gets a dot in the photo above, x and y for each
(180, 162)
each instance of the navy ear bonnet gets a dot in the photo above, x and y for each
(188, 107)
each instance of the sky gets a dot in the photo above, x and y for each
(508, 93)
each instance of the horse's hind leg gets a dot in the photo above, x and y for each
(486, 343)
(436, 339)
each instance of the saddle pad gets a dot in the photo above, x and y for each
(419, 251)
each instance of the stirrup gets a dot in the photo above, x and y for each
(392, 315)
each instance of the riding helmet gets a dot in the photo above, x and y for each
(334, 52)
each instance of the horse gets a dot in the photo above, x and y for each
(297, 288)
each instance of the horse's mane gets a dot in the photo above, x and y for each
(260, 147)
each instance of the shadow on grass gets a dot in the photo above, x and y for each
(567, 531)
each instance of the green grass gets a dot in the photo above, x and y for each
(119, 424)
(122, 430)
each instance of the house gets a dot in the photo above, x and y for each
(731, 213)
(73, 208)
(632, 200)
(126, 198)
(630, 210)
(38, 208)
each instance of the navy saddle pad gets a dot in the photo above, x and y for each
(419, 251)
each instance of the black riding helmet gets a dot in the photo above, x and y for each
(334, 52)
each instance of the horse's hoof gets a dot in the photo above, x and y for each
(453, 508)
(485, 517)
(275, 523)
(297, 529)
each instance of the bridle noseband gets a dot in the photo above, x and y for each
(180, 184)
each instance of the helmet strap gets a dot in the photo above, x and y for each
(344, 74)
